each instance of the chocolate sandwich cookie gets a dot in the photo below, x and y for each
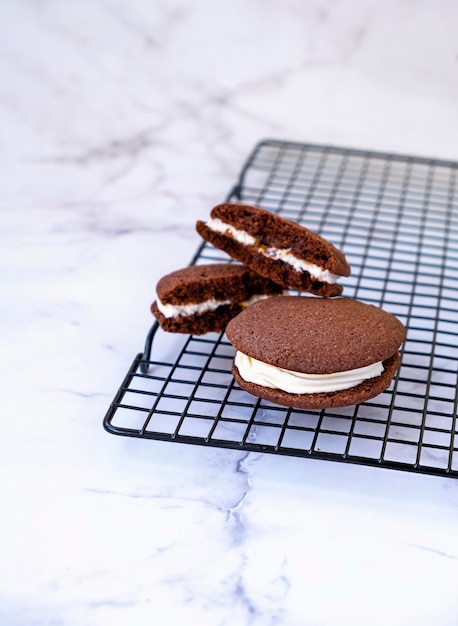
(203, 298)
(315, 353)
(288, 253)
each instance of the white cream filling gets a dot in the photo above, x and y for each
(184, 310)
(254, 371)
(283, 254)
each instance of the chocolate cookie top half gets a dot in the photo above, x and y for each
(219, 281)
(272, 230)
(316, 335)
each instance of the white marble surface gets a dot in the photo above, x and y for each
(121, 124)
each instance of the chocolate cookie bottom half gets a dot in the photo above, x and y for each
(332, 399)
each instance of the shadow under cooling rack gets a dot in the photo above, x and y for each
(396, 219)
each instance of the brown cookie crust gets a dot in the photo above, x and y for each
(316, 335)
(221, 281)
(347, 397)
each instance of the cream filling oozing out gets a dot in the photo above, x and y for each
(184, 310)
(283, 254)
(254, 371)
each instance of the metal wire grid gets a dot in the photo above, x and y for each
(396, 219)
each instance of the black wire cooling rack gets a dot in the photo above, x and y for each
(396, 219)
